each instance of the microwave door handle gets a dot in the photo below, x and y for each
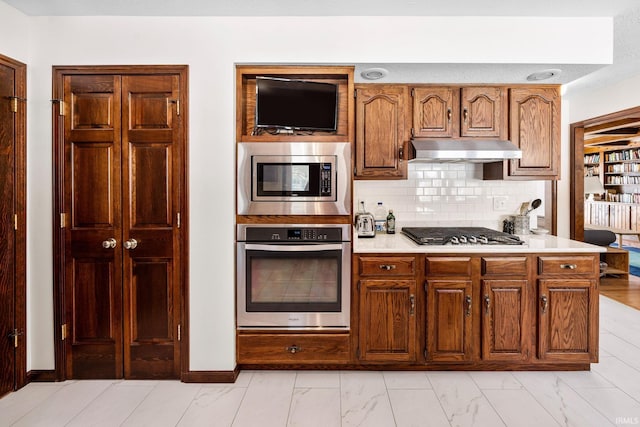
(292, 248)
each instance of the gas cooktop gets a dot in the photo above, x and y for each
(459, 236)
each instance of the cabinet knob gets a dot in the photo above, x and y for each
(545, 303)
(449, 115)
(465, 115)
(467, 301)
(487, 304)
(293, 349)
(412, 302)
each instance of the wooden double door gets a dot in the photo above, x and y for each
(12, 225)
(120, 191)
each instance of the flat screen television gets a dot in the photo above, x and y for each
(296, 104)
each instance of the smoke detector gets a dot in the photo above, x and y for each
(543, 74)
(374, 73)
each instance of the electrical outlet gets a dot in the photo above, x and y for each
(500, 203)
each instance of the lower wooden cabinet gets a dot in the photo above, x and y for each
(506, 319)
(260, 348)
(387, 320)
(567, 320)
(449, 320)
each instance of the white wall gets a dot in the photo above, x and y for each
(211, 47)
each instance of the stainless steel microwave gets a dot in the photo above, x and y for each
(294, 178)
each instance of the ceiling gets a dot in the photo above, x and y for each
(323, 7)
(626, 15)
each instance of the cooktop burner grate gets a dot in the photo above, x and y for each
(459, 236)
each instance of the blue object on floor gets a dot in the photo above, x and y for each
(634, 259)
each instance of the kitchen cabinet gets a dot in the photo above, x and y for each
(567, 308)
(449, 320)
(382, 127)
(387, 309)
(286, 347)
(450, 314)
(505, 309)
(450, 112)
(534, 117)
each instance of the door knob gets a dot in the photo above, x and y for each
(131, 244)
(109, 243)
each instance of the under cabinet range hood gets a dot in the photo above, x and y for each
(463, 150)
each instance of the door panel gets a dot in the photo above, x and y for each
(7, 241)
(92, 195)
(150, 146)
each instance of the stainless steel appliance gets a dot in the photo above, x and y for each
(294, 178)
(293, 276)
(460, 236)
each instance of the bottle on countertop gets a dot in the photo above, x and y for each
(380, 216)
(391, 222)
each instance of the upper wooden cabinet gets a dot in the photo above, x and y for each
(246, 101)
(382, 131)
(450, 112)
(534, 116)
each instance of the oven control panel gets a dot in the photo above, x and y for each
(301, 234)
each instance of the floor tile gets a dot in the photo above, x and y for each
(14, 406)
(417, 407)
(495, 380)
(364, 400)
(566, 406)
(213, 405)
(267, 400)
(315, 407)
(462, 400)
(406, 380)
(622, 375)
(164, 405)
(617, 406)
(318, 379)
(526, 413)
(114, 405)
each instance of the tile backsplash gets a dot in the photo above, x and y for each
(449, 194)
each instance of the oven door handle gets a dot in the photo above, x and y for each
(293, 248)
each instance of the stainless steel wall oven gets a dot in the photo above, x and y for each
(293, 276)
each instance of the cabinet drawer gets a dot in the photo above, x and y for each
(567, 265)
(504, 265)
(448, 266)
(387, 266)
(293, 348)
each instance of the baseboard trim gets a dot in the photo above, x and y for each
(210, 376)
(41, 376)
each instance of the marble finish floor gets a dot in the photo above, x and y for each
(608, 395)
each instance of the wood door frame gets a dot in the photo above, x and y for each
(576, 186)
(58, 73)
(21, 212)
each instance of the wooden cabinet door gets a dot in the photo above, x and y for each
(505, 320)
(567, 318)
(449, 320)
(121, 182)
(150, 177)
(535, 129)
(382, 124)
(387, 328)
(93, 227)
(484, 112)
(436, 112)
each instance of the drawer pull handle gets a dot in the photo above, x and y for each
(412, 301)
(568, 266)
(387, 267)
(487, 304)
(293, 349)
(545, 303)
(467, 301)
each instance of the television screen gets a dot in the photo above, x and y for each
(296, 104)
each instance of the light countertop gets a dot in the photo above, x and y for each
(399, 243)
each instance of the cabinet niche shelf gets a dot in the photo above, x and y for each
(246, 101)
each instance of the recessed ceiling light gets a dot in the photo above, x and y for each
(544, 74)
(374, 73)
